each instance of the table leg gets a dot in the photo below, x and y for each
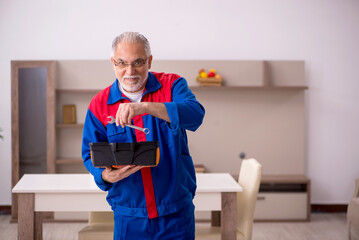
(26, 216)
(39, 216)
(216, 218)
(229, 216)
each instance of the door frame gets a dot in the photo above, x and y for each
(50, 121)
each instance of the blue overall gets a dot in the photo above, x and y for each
(154, 200)
(178, 226)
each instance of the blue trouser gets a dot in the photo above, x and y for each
(179, 225)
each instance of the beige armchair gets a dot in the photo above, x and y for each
(100, 226)
(353, 214)
(249, 178)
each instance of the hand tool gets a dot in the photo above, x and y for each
(145, 130)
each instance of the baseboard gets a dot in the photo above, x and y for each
(329, 208)
(5, 209)
(315, 208)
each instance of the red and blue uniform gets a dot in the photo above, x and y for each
(160, 191)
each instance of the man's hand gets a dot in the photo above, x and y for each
(126, 111)
(113, 175)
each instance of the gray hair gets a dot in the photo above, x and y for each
(131, 37)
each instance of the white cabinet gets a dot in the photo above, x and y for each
(283, 198)
(281, 206)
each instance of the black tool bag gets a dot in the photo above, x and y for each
(133, 153)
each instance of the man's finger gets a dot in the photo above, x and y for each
(135, 169)
(130, 115)
(122, 114)
(118, 117)
(125, 168)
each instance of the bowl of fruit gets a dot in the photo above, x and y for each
(210, 78)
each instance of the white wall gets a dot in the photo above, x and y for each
(324, 33)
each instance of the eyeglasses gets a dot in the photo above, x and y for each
(136, 64)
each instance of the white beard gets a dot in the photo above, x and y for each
(130, 87)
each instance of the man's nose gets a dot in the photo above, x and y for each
(130, 70)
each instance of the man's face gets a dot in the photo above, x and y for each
(131, 65)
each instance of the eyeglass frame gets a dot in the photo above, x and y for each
(126, 65)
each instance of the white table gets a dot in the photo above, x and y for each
(39, 193)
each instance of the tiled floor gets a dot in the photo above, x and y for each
(321, 227)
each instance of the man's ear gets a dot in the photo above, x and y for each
(150, 62)
(113, 64)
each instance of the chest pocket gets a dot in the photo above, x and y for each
(117, 134)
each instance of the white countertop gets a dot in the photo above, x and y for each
(44, 183)
(217, 182)
(84, 183)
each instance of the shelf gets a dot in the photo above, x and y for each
(94, 91)
(67, 125)
(63, 161)
(68, 161)
(291, 179)
(195, 87)
(250, 87)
